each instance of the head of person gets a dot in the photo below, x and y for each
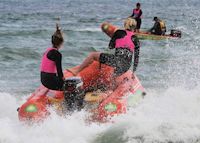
(155, 19)
(57, 38)
(138, 5)
(130, 24)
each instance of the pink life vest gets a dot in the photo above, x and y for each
(48, 65)
(136, 13)
(126, 42)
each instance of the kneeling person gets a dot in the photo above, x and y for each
(125, 44)
(159, 27)
(51, 65)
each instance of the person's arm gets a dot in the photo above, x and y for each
(59, 66)
(140, 14)
(151, 30)
(56, 56)
(132, 14)
(117, 35)
(136, 52)
(154, 27)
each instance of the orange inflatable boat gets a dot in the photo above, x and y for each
(103, 96)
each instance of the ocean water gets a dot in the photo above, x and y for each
(169, 69)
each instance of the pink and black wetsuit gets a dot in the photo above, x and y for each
(51, 69)
(125, 44)
(137, 15)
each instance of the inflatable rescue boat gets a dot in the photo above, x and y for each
(93, 89)
(110, 29)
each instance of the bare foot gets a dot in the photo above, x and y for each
(74, 72)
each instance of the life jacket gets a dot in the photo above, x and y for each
(126, 42)
(136, 13)
(48, 65)
(162, 26)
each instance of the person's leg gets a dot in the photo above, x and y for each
(94, 56)
(110, 60)
(139, 22)
(51, 82)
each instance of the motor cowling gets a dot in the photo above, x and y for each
(176, 33)
(73, 93)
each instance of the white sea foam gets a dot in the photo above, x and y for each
(170, 116)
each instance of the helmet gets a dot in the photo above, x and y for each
(130, 24)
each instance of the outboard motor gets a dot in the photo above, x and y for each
(73, 93)
(175, 33)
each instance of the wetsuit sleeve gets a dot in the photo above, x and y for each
(56, 56)
(136, 52)
(117, 35)
(154, 27)
(140, 14)
(132, 13)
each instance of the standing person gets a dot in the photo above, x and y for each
(51, 64)
(159, 27)
(125, 44)
(137, 14)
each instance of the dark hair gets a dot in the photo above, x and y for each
(57, 38)
(138, 4)
(155, 18)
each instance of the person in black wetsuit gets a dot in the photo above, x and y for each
(125, 44)
(137, 14)
(159, 27)
(51, 65)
